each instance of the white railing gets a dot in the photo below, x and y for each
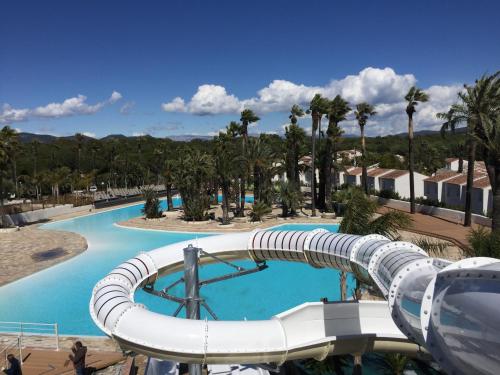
(6, 350)
(27, 332)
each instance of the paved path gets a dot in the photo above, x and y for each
(436, 227)
(31, 249)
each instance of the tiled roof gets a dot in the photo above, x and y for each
(442, 176)
(395, 174)
(462, 178)
(482, 183)
(449, 160)
(378, 171)
(354, 171)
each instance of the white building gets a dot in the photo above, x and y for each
(433, 186)
(399, 181)
(455, 191)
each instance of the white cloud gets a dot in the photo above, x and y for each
(115, 96)
(383, 88)
(127, 108)
(208, 100)
(9, 114)
(176, 105)
(69, 107)
(89, 134)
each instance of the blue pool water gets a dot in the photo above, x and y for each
(61, 293)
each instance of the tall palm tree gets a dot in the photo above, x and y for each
(259, 159)
(247, 117)
(483, 102)
(317, 107)
(168, 169)
(225, 169)
(456, 115)
(294, 140)
(79, 146)
(413, 97)
(362, 113)
(8, 141)
(338, 108)
(35, 144)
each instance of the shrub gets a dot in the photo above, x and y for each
(389, 194)
(151, 208)
(259, 209)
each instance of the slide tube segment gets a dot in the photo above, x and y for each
(404, 273)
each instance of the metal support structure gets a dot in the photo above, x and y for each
(192, 289)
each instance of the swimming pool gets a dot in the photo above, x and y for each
(62, 292)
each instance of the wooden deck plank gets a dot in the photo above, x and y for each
(52, 362)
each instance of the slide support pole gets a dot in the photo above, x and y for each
(192, 289)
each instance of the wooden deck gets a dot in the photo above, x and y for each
(52, 362)
(437, 227)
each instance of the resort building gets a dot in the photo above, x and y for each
(398, 181)
(433, 186)
(374, 175)
(455, 190)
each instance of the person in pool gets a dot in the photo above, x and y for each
(15, 366)
(78, 357)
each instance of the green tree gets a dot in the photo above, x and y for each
(413, 97)
(337, 111)
(80, 138)
(151, 207)
(362, 113)
(225, 169)
(483, 103)
(289, 197)
(393, 364)
(294, 142)
(247, 117)
(317, 107)
(8, 142)
(192, 174)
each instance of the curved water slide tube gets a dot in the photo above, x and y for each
(451, 309)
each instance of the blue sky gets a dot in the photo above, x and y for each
(103, 67)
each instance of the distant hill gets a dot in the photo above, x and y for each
(46, 138)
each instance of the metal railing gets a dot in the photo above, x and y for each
(6, 350)
(29, 333)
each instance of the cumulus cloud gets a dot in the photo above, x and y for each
(208, 100)
(9, 114)
(70, 107)
(383, 88)
(176, 105)
(115, 96)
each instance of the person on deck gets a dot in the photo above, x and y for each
(78, 357)
(15, 366)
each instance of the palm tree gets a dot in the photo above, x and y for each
(8, 141)
(34, 152)
(294, 140)
(317, 108)
(457, 114)
(290, 198)
(259, 160)
(247, 117)
(79, 146)
(359, 216)
(168, 169)
(393, 364)
(338, 109)
(362, 113)
(225, 169)
(192, 174)
(413, 97)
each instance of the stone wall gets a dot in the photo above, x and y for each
(29, 217)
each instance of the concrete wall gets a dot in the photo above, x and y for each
(46, 213)
(443, 213)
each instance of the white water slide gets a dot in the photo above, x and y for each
(450, 309)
